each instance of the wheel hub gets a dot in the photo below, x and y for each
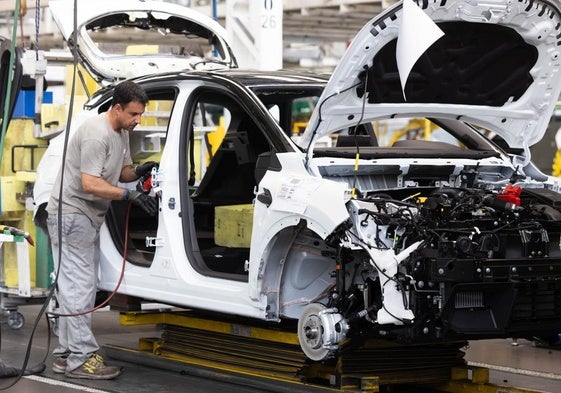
(320, 330)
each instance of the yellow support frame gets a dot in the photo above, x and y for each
(468, 379)
(181, 319)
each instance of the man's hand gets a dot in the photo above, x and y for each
(145, 168)
(145, 202)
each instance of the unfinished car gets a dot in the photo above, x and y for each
(411, 214)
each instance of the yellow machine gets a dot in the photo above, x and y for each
(25, 272)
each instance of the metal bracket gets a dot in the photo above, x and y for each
(154, 241)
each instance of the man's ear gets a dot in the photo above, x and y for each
(120, 107)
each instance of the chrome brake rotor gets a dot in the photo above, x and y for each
(320, 330)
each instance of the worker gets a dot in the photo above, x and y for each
(98, 156)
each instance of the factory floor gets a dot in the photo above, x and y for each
(523, 365)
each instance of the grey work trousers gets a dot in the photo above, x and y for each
(77, 285)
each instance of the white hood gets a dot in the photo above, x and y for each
(163, 26)
(497, 66)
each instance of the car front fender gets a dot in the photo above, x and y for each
(286, 198)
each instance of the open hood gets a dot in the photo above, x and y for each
(129, 38)
(496, 66)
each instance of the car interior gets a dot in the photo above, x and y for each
(224, 189)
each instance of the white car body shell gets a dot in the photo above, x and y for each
(321, 203)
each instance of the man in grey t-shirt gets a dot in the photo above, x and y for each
(97, 158)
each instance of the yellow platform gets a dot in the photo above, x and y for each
(265, 352)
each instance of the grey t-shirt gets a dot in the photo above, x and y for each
(98, 150)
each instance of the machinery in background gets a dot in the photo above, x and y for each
(24, 272)
(21, 240)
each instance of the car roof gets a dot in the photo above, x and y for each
(249, 78)
(267, 78)
(252, 79)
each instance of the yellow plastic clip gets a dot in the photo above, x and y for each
(353, 191)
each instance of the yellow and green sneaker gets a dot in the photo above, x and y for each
(94, 368)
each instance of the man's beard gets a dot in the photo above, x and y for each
(130, 127)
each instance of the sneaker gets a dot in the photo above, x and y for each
(94, 368)
(59, 365)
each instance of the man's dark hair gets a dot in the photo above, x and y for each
(128, 91)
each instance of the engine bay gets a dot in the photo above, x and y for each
(477, 260)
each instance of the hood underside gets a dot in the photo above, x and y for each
(496, 66)
(472, 64)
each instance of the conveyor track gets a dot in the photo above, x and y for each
(264, 353)
(275, 353)
(259, 355)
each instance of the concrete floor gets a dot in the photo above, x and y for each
(524, 365)
(136, 378)
(521, 365)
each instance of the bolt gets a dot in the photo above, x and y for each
(425, 330)
(440, 271)
(478, 270)
(487, 270)
(514, 270)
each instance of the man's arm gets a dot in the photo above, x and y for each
(101, 188)
(128, 174)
